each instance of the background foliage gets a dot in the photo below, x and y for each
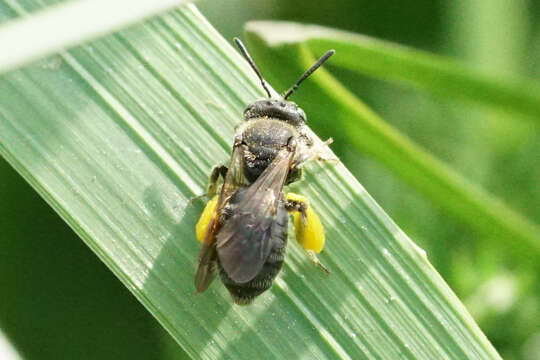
(499, 151)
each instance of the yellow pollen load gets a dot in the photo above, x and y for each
(309, 232)
(206, 216)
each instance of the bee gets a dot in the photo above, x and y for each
(243, 229)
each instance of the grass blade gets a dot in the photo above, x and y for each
(394, 62)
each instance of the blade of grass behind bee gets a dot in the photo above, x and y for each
(401, 64)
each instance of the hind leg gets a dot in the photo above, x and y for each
(308, 227)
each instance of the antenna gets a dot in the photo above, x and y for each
(244, 52)
(310, 71)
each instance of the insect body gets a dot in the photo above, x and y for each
(243, 229)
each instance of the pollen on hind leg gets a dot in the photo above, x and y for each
(308, 227)
(204, 220)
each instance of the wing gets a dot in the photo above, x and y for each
(244, 241)
(235, 175)
(234, 179)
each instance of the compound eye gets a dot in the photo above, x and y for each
(302, 115)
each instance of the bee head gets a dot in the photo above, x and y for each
(279, 109)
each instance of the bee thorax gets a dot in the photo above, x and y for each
(262, 139)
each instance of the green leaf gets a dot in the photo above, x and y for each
(365, 130)
(117, 135)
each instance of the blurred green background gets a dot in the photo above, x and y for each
(498, 151)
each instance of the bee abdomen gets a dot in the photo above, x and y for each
(244, 294)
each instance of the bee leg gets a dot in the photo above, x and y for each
(206, 218)
(217, 170)
(317, 152)
(308, 228)
(211, 188)
(209, 209)
(313, 257)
